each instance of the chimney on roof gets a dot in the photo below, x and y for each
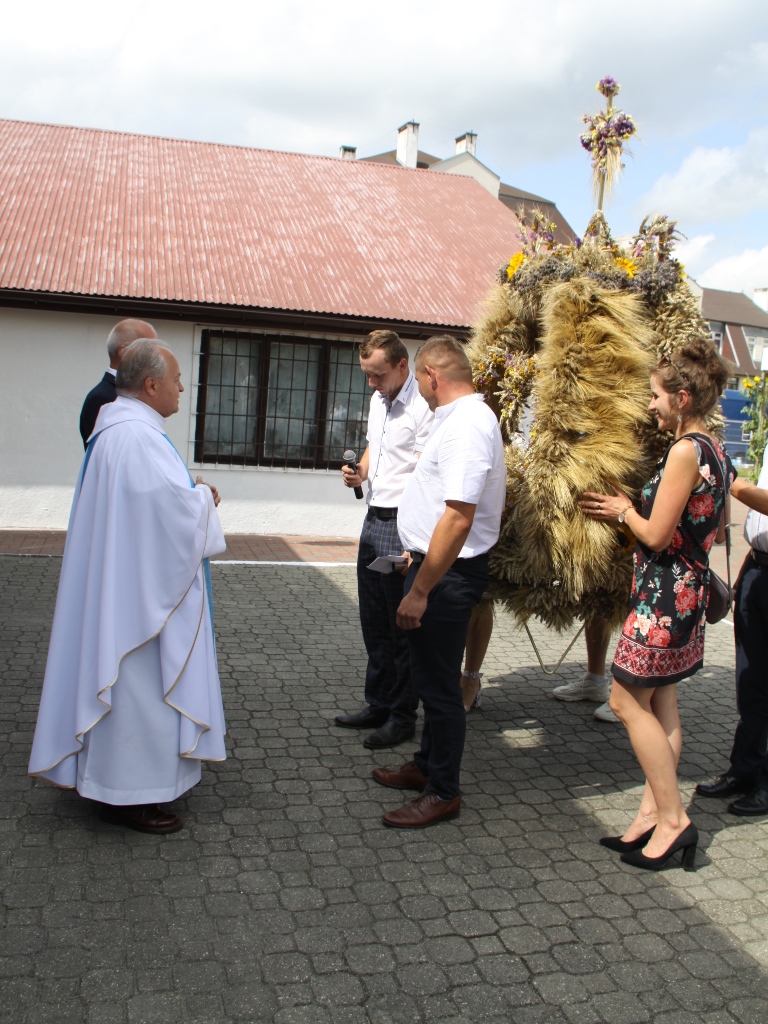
(408, 144)
(466, 143)
(760, 298)
(348, 153)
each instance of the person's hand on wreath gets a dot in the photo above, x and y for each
(603, 507)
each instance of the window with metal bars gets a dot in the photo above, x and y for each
(272, 400)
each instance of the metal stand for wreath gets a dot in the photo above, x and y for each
(551, 671)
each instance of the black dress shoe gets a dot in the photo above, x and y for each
(725, 785)
(755, 802)
(142, 818)
(390, 735)
(368, 718)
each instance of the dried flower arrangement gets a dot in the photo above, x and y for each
(569, 335)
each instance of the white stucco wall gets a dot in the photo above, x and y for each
(469, 166)
(49, 362)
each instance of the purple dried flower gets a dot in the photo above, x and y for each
(608, 86)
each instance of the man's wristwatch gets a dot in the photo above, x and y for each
(623, 513)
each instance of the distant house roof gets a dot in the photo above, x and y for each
(732, 308)
(100, 213)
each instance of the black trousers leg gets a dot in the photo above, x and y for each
(388, 672)
(749, 757)
(436, 649)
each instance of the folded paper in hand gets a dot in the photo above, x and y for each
(386, 563)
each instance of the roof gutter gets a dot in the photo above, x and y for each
(213, 314)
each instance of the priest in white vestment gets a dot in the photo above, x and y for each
(131, 702)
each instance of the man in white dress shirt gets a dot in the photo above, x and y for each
(398, 423)
(747, 774)
(449, 519)
(131, 701)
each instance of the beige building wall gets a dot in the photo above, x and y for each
(49, 362)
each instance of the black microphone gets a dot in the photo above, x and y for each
(350, 460)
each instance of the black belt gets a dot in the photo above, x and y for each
(417, 556)
(760, 557)
(382, 513)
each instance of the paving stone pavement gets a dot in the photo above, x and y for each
(284, 900)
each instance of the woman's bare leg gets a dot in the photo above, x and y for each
(664, 707)
(652, 720)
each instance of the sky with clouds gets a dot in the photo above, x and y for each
(309, 77)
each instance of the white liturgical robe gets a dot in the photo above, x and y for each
(131, 701)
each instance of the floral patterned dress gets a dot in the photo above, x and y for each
(662, 640)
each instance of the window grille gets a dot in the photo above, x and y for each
(272, 400)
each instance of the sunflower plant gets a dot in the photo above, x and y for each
(756, 390)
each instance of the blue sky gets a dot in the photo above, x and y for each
(309, 77)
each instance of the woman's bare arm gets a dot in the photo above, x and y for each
(681, 475)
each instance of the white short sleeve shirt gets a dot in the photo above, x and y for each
(397, 433)
(463, 460)
(756, 525)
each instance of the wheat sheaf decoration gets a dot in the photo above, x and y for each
(563, 354)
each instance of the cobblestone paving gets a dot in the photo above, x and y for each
(284, 899)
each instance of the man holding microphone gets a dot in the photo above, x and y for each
(398, 423)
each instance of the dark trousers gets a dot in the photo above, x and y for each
(436, 649)
(750, 619)
(388, 673)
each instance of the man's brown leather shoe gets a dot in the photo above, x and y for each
(142, 818)
(407, 777)
(425, 810)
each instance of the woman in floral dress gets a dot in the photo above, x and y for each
(662, 641)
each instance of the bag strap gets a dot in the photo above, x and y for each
(727, 494)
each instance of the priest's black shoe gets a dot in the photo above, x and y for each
(755, 802)
(368, 718)
(725, 785)
(390, 734)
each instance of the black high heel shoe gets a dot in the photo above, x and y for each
(686, 841)
(619, 846)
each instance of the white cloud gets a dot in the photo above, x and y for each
(340, 71)
(715, 185)
(307, 77)
(742, 272)
(691, 252)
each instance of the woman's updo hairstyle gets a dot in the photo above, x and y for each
(698, 368)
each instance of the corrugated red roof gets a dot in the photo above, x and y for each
(102, 213)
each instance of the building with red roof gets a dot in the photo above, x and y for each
(739, 328)
(261, 270)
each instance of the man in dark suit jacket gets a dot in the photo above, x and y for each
(120, 338)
